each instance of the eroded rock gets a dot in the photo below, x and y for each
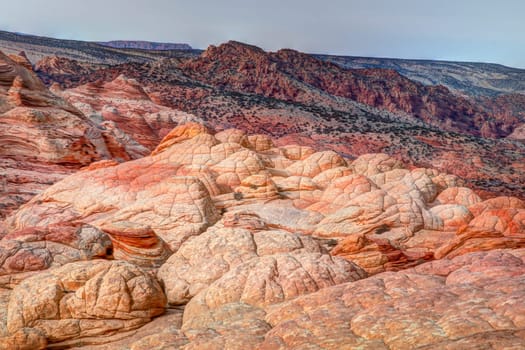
(85, 299)
(204, 259)
(442, 304)
(273, 279)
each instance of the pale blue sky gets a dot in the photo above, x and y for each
(467, 30)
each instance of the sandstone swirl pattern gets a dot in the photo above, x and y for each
(227, 241)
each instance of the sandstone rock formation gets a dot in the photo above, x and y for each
(81, 299)
(303, 98)
(472, 301)
(344, 229)
(44, 138)
(204, 259)
(466, 302)
(32, 154)
(123, 107)
(136, 243)
(142, 192)
(378, 210)
(31, 250)
(273, 279)
(256, 246)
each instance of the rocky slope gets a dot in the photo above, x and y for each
(57, 69)
(123, 105)
(245, 245)
(294, 76)
(282, 95)
(497, 89)
(476, 79)
(44, 138)
(300, 78)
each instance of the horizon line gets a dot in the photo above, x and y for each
(266, 50)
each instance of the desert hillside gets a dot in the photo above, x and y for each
(162, 198)
(295, 97)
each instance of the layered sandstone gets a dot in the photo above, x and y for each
(298, 98)
(42, 138)
(257, 242)
(124, 106)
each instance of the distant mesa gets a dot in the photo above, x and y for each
(144, 45)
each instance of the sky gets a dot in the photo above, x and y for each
(463, 30)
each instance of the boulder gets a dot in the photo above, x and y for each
(84, 299)
(316, 163)
(204, 259)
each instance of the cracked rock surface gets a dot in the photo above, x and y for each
(227, 241)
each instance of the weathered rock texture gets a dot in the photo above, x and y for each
(267, 247)
(381, 216)
(273, 279)
(42, 138)
(28, 251)
(303, 98)
(82, 299)
(467, 302)
(320, 238)
(123, 108)
(206, 258)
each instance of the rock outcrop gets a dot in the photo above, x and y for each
(319, 215)
(204, 259)
(467, 302)
(79, 300)
(273, 279)
(42, 138)
(28, 251)
(381, 216)
(255, 246)
(123, 108)
(143, 192)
